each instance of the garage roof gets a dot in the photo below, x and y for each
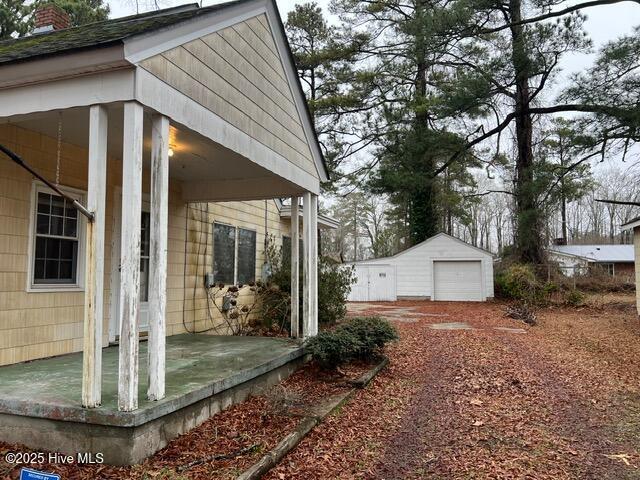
(418, 245)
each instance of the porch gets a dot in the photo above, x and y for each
(40, 400)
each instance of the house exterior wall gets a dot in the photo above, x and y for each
(636, 252)
(624, 269)
(41, 324)
(414, 267)
(237, 74)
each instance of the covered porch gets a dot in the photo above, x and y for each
(181, 167)
(204, 374)
(159, 113)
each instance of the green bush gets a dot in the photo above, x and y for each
(519, 282)
(361, 338)
(334, 285)
(575, 298)
(333, 348)
(373, 332)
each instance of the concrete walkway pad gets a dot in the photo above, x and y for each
(451, 326)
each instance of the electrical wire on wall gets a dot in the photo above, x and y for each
(200, 234)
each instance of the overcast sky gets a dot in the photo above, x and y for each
(604, 23)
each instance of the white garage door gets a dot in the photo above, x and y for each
(457, 280)
(375, 283)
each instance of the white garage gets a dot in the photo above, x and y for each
(441, 268)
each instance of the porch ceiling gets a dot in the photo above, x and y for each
(207, 170)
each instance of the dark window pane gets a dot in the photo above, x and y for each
(246, 255)
(70, 211)
(57, 205)
(224, 246)
(51, 269)
(66, 270)
(53, 248)
(70, 228)
(38, 271)
(44, 203)
(57, 224)
(67, 248)
(43, 224)
(144, 279)
(41, 245)
(145, 234)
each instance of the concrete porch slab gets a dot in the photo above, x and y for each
(40, 400)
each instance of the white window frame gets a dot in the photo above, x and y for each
(37, 187)
(235, 247)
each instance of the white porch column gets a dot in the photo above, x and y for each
(158, 255)
(130, 256)
(94, 266)
(295, 267)
(310, 265)
(313, 220)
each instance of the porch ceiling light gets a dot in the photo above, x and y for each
(170, 152)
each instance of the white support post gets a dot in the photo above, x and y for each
(295, 267)
(307, 292)
(313, 276)
(158, 255)
(130, 256)
(94, 265)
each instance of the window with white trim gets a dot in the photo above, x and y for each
(246, 256)
(234, 254)
(56, 236)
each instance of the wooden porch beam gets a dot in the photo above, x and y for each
(94, 266)
(313, 275)
(310, 265)
(295, 267)
(130, 256)
(158, 255)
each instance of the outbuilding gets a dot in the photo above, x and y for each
(440, 268)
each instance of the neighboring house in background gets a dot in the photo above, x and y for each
(616, 260)
(180, 130)
(440, 268)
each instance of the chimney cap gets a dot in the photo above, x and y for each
(50, 16)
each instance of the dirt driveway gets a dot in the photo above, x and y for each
(471, 394)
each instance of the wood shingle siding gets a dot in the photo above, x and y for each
(40, 324)
(238, 74)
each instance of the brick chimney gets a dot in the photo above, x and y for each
(50, 17)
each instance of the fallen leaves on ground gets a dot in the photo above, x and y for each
(561, 401)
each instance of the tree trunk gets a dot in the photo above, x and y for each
(528, 221)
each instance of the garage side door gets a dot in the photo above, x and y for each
(457, 280)
(360, 290)
(382, 283)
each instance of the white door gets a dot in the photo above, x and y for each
(143, 312)
(457, 280)
(360, 290)
(375, 283)
(382, 283)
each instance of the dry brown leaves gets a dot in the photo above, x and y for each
(557, 402)
(561, 401)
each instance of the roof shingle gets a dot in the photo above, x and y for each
(99, 34)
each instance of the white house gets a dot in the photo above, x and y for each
(617, 260)
(440, 268)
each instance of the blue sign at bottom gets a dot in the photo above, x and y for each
(28, 474)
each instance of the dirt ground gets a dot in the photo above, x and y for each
(468, 394)
(489, 397)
